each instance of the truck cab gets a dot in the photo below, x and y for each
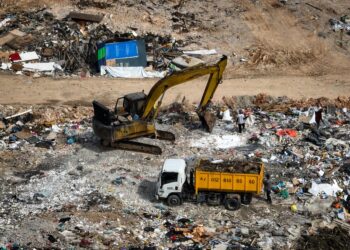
(171, 181)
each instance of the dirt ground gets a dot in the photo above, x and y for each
(26, 90)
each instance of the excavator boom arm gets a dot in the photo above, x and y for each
(176, 78)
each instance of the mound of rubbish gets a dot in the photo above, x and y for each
(325, 238)
(232, 166)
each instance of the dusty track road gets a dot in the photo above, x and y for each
(26, 90)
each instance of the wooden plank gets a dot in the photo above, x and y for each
(313, 6)
(17, 32)
(7, 38)
(85, 17)
(342, 224)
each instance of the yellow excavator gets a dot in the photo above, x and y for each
(134, 114)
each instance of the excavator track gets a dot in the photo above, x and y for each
(137, 147)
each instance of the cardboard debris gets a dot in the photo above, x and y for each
(17, 32)
(186, 61)
(51, 136)
(197, 234)
(10, 36)
(29, 56)
(6, 39)
(2, 125)
(24, 135)
(295, 181)
(19, 42)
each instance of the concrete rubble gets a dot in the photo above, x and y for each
(61, 189)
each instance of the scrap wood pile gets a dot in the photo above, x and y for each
(63, 42)
(282, 104)
(43, 126)
(325, 238)
(36, 41)
(184, 230)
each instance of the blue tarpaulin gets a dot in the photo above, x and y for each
(122, 50)
(131, 53)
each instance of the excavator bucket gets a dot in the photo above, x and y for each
(208, 119)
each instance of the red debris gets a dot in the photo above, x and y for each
(287, 132)
(15, 57)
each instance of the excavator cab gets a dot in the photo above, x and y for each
(131, 104)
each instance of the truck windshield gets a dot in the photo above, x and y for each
(168, 177)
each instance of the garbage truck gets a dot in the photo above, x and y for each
(229, 183)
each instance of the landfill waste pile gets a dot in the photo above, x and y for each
(37, 43)
(61, 189)
(334, 238)
(230, 166)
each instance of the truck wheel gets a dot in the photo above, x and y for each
(105, 143)
(246, 198)
(232, 203)
(173, 200)
(213, 199)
